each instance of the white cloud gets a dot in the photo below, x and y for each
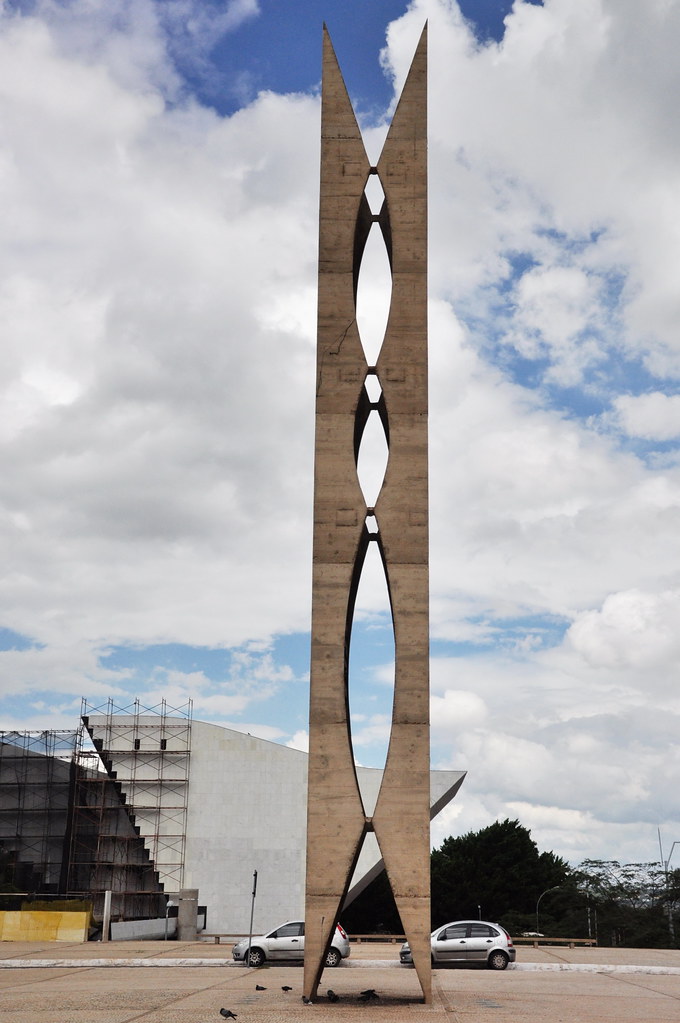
(531, 512)
(454, 712)
(653, 416)
(554, 144)
(142, 386)
(557, 313)
(632, 629)
(374, 731)
(72, 670)
(141, 42)
(300, 741)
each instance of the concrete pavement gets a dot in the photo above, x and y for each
(548, 985)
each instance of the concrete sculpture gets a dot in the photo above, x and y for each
(344, 526)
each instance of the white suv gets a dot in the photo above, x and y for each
(288, 942)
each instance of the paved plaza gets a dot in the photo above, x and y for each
(154, 982)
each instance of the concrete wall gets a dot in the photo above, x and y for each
(144, 930)
(247, 812)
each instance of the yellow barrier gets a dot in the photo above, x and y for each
(36, 925)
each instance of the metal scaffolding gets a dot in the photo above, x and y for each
(146, 752)
(106, 852)
(99, 808)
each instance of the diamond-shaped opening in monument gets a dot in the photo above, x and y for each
(373, 386)
(370, 677)
(371, 523)
(374, 294)
(375, 193)
(372, 458)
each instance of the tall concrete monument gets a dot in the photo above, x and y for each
(348, 391)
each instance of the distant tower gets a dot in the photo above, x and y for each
(344, 526)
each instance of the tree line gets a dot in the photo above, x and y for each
(498, 874)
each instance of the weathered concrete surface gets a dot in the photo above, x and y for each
(195, 994)
(337, 821)
(335, 814)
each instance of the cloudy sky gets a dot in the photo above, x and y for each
(159, 182)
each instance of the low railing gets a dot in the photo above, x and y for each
(394, 938)
(571, 942)
(358, 938)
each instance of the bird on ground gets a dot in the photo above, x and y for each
(332, 997)
(286, 988)
(227, 1013)
(368, 996)
(258, 987)
(306, 1000)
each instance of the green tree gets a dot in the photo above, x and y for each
(497, 873)
(631, 904)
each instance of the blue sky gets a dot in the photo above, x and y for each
(159, 162)
(279, 49)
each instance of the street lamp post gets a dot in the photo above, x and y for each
(553, 889)
(669, 909)
(246, 961)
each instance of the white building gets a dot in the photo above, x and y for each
(214, 805)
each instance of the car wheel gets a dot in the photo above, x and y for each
(333, 957)
(497, 961)
(255, 957)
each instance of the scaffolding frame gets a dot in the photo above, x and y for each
(99, 808)
(146, 752)
(106, 851)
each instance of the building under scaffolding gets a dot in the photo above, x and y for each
(72, 826)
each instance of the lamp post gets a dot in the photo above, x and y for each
(553, 889)
(669, 909)
(246, 961)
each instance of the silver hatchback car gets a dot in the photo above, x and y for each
(469, 941)
(288, 942)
